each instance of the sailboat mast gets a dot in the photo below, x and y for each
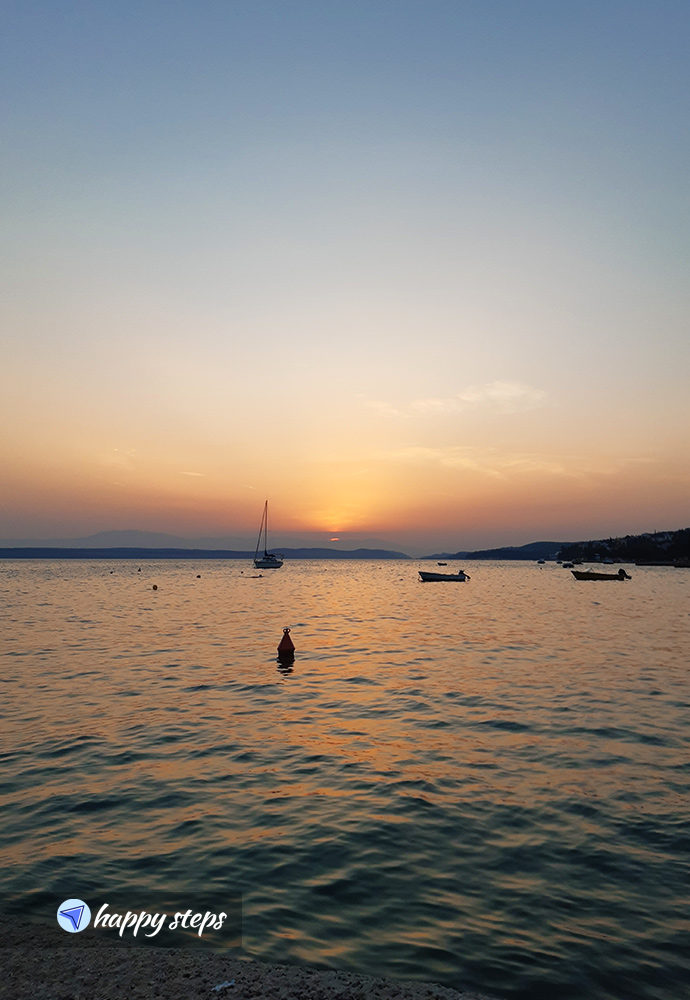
(262, 530)
(266, 528)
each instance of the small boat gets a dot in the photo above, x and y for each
(427, 577)
(268, 560)
(441, 564)
(589, 574)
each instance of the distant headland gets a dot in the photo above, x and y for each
(139, 552)
(156, 545)
(661, 548)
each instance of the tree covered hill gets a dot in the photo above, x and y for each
(665, 547)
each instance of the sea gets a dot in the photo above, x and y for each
(479, 784)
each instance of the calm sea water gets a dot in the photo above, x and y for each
(480, 784)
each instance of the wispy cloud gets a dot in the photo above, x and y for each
(383, 408)
(489, 462)
(200, 474)
(499, 396)
(120, 459)
(498, 464)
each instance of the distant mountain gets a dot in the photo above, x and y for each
(343, 554)
(164, 552)
(134, 539)
(668, 547)
(533, 550)
(128, 539)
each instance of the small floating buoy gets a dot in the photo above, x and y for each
(286, 647)
(198, 576)
(154, 587)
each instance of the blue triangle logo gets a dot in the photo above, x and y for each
(74, 914)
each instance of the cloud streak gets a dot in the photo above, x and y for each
(499, 396)
(488, 462)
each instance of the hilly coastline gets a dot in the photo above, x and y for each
(140, 552)
(659, 547)
(134, 544)
(533, 550)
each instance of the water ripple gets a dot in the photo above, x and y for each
(497, 798)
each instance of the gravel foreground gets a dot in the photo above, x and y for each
(39, 964)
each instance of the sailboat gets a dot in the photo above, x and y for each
(268, 560)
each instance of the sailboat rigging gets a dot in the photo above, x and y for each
(268, 560)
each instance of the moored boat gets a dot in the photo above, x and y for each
(427, 576)
(269, 560)
(589, 574)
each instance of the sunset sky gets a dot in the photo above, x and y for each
(415, 271)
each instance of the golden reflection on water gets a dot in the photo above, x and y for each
(521, 715)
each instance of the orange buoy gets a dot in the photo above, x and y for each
(286, 647)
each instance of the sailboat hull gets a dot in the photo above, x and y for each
(268, 562)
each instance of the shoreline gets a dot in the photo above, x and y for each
(42, 964)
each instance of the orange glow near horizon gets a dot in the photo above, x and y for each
(423, 506)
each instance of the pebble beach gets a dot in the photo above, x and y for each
(40, 964)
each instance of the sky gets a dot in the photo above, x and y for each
(417, 272)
